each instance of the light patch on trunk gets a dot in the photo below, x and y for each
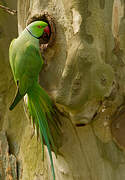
(118, 12)
(77, 19)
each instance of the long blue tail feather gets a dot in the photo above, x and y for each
(40, 106)
(35, 121)
(41, 120)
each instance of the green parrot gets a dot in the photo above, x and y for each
(26, 62)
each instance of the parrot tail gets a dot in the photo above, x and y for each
(17, 98)
(41, 109)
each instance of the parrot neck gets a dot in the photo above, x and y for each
(26, 36)
(32, 34)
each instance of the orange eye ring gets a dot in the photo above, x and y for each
(39, 26)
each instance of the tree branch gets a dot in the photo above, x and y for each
(8, 10)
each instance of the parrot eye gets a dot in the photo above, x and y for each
(39, 26)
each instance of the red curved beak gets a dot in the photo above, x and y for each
(46, 30)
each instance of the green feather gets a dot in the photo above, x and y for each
(16, 100)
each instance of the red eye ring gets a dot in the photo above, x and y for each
(39, 26)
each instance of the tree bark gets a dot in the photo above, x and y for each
(84, 75)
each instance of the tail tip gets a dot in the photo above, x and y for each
(11, 108)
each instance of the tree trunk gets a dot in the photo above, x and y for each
(84, 74)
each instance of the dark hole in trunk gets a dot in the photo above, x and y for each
(80, 125)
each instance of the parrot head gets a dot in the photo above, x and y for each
(37, 28)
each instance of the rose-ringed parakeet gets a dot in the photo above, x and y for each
(26, 63)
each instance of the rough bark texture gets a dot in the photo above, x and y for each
(85, 75)
(8, 165)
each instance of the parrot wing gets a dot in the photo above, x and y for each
(17, 98)
(26, 64)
